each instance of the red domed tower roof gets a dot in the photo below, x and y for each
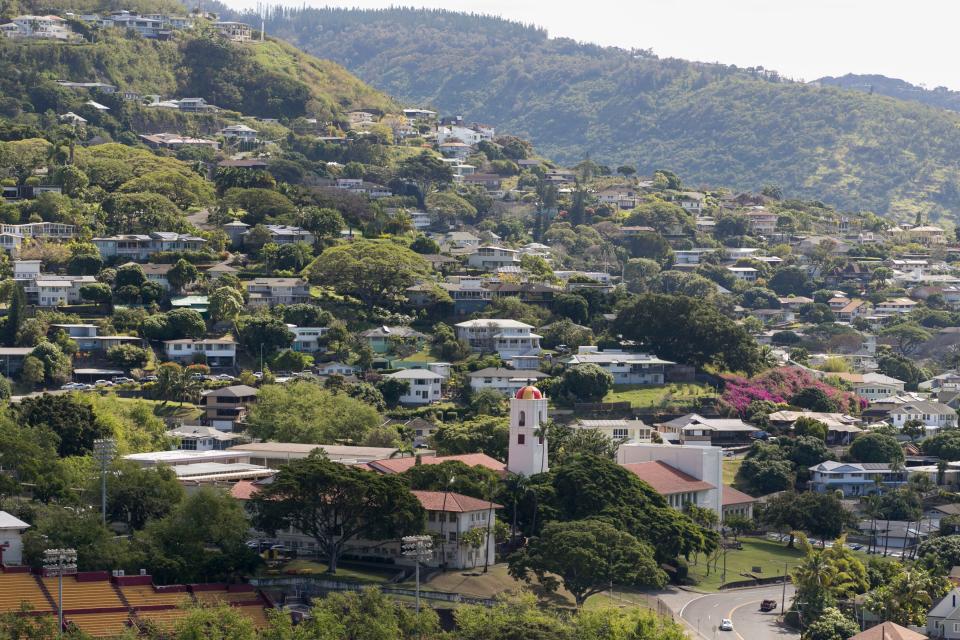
(529, 392)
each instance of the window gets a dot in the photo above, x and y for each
(432, 516)
(521, 439)
(453, 536)
(620, 433)
(523, 419)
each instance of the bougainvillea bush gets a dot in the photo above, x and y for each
(779, 386)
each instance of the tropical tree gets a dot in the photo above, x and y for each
(587, 556)
(335, 503)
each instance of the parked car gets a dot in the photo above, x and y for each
(726, 624)
(149, 379)
(103, 383)
(70, 386)
(122, 380)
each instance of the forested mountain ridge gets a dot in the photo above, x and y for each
(895, 88)
(716, 124)
(271, 79)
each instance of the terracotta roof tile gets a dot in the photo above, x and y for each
(666, 480)
(399, 465)
(455, 502)
(732, 496)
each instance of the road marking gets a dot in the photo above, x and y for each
(730, 616)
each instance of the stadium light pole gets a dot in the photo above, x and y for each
(60, 562)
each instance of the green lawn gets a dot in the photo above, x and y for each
(657, 395)
(185, 413)
(308, 567)
(730, 468)
(768, 555)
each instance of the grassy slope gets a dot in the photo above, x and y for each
(327, 80)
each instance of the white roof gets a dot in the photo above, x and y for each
(498, 323)
(8, 521)
(413, 374)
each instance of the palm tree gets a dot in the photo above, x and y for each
(942, 466)
(443, 522)
(515, 487)
(544, 432)
(403, 449)
(491, 515)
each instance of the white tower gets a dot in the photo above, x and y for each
(527, 454)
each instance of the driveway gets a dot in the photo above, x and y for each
(742, 606)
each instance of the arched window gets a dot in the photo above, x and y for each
(523, 419)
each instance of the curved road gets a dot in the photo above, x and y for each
(742, 606)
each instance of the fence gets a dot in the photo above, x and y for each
(309, 586)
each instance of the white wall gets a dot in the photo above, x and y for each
(703, 463)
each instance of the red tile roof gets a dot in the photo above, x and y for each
(732, 496)
(455, 502)
(664, 479)
(888, 631)
(243, 490)
(399, 465)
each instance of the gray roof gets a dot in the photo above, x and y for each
(8, 521)
(502, 372)
(923, 406)
(714, 424)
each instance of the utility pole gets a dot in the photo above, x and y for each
(104, 449)
(783, 595)
(60, 562)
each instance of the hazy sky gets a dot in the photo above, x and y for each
(806, 39)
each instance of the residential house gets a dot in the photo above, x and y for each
(11, 359)
(492, 258)
(202, 438)
(852, 310)
(934, 415)
(307, 339)
(889, 631)
(156, 273)
(47, 27)
(692, 256)
(618, 197)
(618, 430)
(235, 31)
(860, 273)
(102, 87)
(761, 221)
(269, 292)
(284, 234)
(469, 295)
(458, 150)
(426, 386)
(383, 339)
(46, 289)
(215, 352)
(927, 235)
(226, 408)
(855, 478)
(746, 274)
(336, 369)
(87, 338)
(943, 620)
(504, 381)
(687, 474)
(176, 141)
(459, 240)
(696, 430)
(626, 368)
(894, 306)
(691, 202)
(876, 386)
(139, 247)
(841, 428)
(399, 464)
(489, 181)
(239, 133)
(194, 105)
(420, 428)
(505, 337)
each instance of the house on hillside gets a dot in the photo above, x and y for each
(696, 430)
(626, 368)
(227, 407)
(504, 381)
(214, 352)
(505, 337)
(426, 386)
(856, 479)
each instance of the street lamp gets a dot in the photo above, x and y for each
(443, 522)
(419, 548)
(60, 562)
(103, 450)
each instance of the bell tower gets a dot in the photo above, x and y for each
(527, 453)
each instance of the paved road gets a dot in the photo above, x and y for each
(742, 606)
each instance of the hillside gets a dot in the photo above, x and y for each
(896, 88)
(270, 79)
(716, 124)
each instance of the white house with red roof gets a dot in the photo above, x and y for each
(449, 517)
(679, 488)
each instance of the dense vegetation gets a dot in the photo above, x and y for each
(270, 79)
(714, 124)
(896, 88)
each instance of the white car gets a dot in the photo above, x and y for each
(726, 624)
